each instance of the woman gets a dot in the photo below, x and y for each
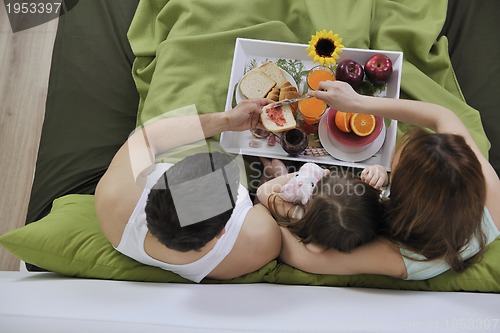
(443, 207)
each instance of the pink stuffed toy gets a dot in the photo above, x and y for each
(300, 188)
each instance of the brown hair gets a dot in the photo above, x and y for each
(437, 198)
(343, 213)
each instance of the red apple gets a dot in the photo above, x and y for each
(350, 71)
(378, 69)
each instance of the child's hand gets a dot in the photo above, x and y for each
(375, 175)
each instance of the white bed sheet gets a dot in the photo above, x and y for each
(46, 302)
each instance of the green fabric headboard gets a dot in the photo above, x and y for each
(91, 104)
(472, 30)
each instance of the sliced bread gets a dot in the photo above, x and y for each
(278, 119)
(256, 84)
(274, 72)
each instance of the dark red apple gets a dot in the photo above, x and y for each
(378, 69)
(350, 71)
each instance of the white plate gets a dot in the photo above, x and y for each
(240, 97)
(335, 149)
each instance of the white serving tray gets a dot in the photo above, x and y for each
(249, 53)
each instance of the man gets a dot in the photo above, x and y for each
(193, 217)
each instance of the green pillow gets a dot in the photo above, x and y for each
(69, 241)
(481, 277)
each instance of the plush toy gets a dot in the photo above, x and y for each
(300, 188)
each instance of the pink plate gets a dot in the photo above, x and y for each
(351, 139)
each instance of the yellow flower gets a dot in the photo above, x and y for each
(324, 47)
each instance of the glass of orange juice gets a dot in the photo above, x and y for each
(318, 74)
(312, 109)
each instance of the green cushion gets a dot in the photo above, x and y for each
(69, 241)
(481, 277)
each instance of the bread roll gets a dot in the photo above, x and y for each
(290, 95)
(256, 84)
(287, 86)
(286, 92)
(278, 119)
(274, 94)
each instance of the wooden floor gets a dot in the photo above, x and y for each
(25, 63)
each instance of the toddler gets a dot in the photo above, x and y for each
(342, 212)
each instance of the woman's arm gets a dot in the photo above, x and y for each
(341, 96)
(377, 257)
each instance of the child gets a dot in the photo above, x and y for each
(342, 213)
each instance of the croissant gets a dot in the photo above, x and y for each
(274, 94)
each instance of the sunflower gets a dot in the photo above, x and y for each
(324, 47)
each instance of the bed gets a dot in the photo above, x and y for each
(117, 64)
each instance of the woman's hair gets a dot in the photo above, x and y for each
(172, 210)
(437, 198)
(343, 213)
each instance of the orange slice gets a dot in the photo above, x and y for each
(342, 121)
(362, 124)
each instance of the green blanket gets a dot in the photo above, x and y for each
(184, 48)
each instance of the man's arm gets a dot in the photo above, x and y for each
(122, 184)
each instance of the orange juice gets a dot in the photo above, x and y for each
(318, 74)
(312, 109)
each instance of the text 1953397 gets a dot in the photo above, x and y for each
(32, 7)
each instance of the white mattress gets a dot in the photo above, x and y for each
(46, 302)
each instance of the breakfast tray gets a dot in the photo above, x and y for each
(292, 58)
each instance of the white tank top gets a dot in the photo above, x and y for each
(421, 269)
(132, 241)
